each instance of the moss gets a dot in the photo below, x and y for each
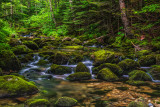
(1, 72)
(81, 68)
(32, 45)
(37, 41)
(101, 103)
(113, 67)
(59, 70)
(103, 56)
(59, 58)
(73, 47)
(8, 61)
(21, 49)
(66, 102)
(75, 59)
(158, 59)
(107, 75)
(16, 86)
(76, 41)
(147, 60)
(42, 62)
(38, 103)
(44, 53)
(137, 104)
(25, 58)
(14, 42)
(137, 83)
(79, 76)
(128, 65)
(155, 72)
(139, 75)
(143, 52)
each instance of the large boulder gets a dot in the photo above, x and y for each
(59, 70)
(139, 75)
(66, 102)
(32, 45)
(81, 68)
(147, 60)
(107, 75)
(128, 65)
(8, 61)
(21, 49)
(37, 103)
(15, 86)
(103, 56)
(113, 67)
(79, 76)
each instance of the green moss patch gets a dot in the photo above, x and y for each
(79, 76)
(81, 68)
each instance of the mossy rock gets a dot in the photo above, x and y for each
(147, 60)
(1, 72)
(113, 67)
(59, 70)
(25, 58)
(155, 72)
(42, 62)
(66, 102)
(16, 86)
(73, 47)
(59, 58)
(37, 41)
(79, 76)
(158, 59)
(76, 41)
(137, 83)
(143, 52)
(37, 103)
(139, 75)
(75, 59)
(128, 65)
(14, 42)
(103, 56)
(46, 53)
(32, 45)
(107, 75)
(137, 104)
(21, 49)
(8, 61)
(81, 68)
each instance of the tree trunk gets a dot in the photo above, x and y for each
(124, 18)
(51, 10)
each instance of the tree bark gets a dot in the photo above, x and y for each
(51, 10)
(124, 18)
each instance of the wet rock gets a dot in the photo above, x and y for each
(128, 65)
(16, 86)
(66, 39)
(66, 102)
(37, 103)
(81, 68)
(59, 70)
(79, 76)
(139, 75)
(107, 75)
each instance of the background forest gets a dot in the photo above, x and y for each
(85, 19)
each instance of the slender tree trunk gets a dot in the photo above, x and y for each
(70, 1)
(124, 18)
(51, 10)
